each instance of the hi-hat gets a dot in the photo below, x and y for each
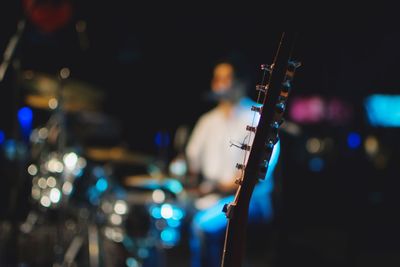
(43, 91)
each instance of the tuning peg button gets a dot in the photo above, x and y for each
(266, 67)
(280, 107)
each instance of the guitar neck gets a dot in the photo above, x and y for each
(237, 212)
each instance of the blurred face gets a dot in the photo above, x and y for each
(222, 78)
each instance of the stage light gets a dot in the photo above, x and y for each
(43, 133)
(55, 195)
(53, 103)
(54, 165)
(45, 201)
(173, 223)
(51, 181)
(67, 188)
(143, 253)
(35, 192)
(107, 207)
(371, 145)
(353, 140)
(170, 236)
(316, 164)
(178, 167)
(156, 212)
(166, 211)
(158, 196)
(102, 185)
(42, 182)
(314, 145)
(131, 262)
(178, 213)
(2, 137)
(383, 110)
(32, 169)
(25, 116)
(70, 160)
(174, 186)
(120, 207)
(115, 219)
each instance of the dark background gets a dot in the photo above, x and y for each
(155, 65)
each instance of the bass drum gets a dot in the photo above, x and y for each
(155, 218)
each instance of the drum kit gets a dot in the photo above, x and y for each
(94, 218)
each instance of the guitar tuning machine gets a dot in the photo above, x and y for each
(293, 65)
(267, 67)
(251, 128)
(262, 88)
(240, 166)
(256, 109)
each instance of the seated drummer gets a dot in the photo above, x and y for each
(210, 154)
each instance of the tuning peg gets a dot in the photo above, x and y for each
(228, 210)
(245, 147)
(293, 65)
(251, 128)
(238, 181)
(280, 107)
(269, 145)
(256, 109)
(240, 166)
(262, 88)
(286, 86)
(266, 67)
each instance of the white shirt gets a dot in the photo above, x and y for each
(209, 150)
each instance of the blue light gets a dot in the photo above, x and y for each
(316, 164)
(131, 262)
(25, 115)
(10, 149)
(353, 140)
(170, 236)
(383, 110)
(174, 186)
(156, 212)
(102, 185)
(93, 195)
(2, 137)
(162, 139)
(178, 214)
(173, 223)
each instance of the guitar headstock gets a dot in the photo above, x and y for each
(272, 95)
(272, 136)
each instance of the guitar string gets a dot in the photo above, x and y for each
(258, 102)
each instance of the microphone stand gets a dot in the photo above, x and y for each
(11, 47)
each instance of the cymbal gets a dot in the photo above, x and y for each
(43, 92)
(117, 155)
